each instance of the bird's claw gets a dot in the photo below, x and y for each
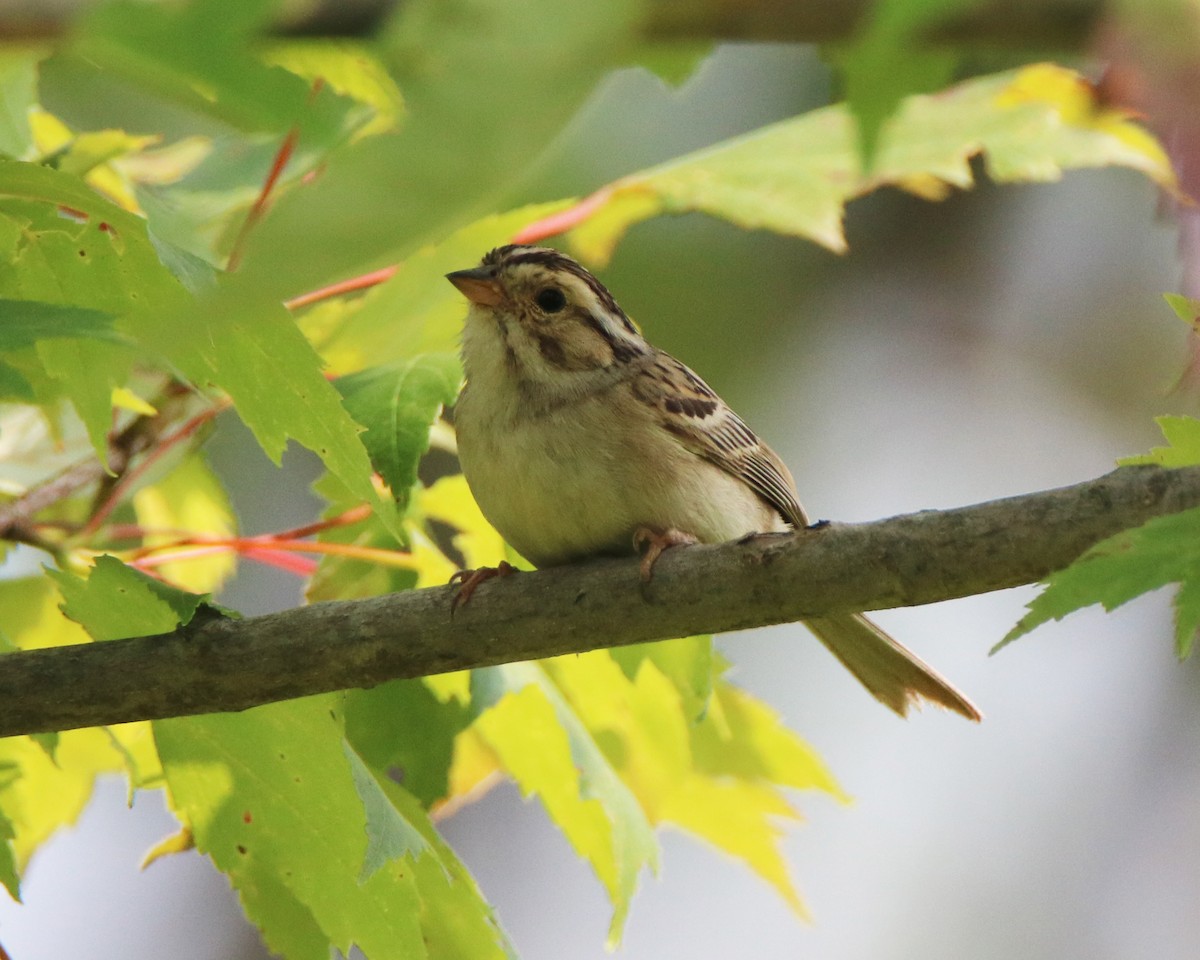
(654, 542)
(471, 579)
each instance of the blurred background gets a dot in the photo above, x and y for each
(1004, 341)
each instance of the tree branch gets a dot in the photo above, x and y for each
(1057, 24)
(218, 664)
(1044, 24)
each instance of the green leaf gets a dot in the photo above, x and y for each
(257, 355)
(195, 274)
(352, 70)
(18, 96)
(14, 385)
(25, 322)
(389, 835)
(86, 271)
(795, 177)
(194, 221)
(548, 750)
(1187, 309)
(675, 62)
(417, 311)
(402, 727)
(276, 798)
(69, 246)
(117, 601)
(8, 859)
(88, 372)
(1161, 551)
(888, 59)
(48, 742)
(1183, 444)
(233, 335)
(480, 106)
(456, 920)
(397, 404)
(270, 797)
(200, 55)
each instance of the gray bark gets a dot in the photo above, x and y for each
(220, 664)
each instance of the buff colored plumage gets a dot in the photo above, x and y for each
(578, 438)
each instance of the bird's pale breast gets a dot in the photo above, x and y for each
(578, 482)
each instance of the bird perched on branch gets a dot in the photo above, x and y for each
(579, 438)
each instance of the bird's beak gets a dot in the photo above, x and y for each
(478, 285)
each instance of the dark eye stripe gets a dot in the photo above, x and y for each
(553, 351)
(623, 350)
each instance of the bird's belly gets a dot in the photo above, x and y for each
(560, 492)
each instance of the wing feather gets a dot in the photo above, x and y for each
(702, 422)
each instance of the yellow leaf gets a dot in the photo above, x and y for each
(351, 70)
(178, 842)
(524, 734)
(451, 686)
(49, 133)
(434, 568)
(596, 238)
(472, 771)
(449, 500)
(736, 817)
(168, 164)
(49, 794)
(751, 742)
(189, 500)
(126, 399)
(95, 148)
(1076, 106)
(32, 619)
(719, 778)
(90, 154)
(639, 725)
(796, 176)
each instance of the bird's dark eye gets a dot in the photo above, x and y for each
(551, 299)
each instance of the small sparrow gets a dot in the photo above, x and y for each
(579, 438)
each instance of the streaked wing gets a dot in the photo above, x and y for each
(690, 410)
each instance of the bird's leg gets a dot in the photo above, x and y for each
(654, 542)
(471, 579)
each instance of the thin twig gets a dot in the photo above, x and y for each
(262, 202)
(126, 480)
(363, 282)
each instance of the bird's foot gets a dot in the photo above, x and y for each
(471, 579)
(654, 542)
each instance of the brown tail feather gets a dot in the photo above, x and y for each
(892, 673)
